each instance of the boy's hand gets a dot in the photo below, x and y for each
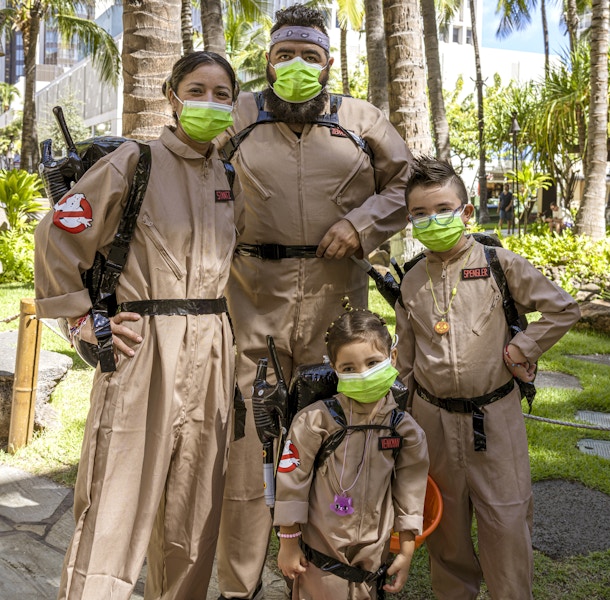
(290, 558)
(518, 364)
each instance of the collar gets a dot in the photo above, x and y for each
(173, 144)
(433, 257)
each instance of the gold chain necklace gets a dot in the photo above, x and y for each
(441, 327)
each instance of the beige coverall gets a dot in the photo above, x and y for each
(295, 189)
(467, 362)
(156, 440)
(388, 493)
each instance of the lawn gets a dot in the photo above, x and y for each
(552, 448)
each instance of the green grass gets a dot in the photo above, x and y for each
(552, 448)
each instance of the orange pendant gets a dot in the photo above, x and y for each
(441, 327)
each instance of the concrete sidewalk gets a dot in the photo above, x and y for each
(36, 524)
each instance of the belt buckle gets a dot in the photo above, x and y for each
(272, 251)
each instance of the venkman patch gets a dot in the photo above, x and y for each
(476, 273)
(224, 195)
(393, 442)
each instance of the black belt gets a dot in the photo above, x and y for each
(275, 251)
(347, 572)
(149, 308)
(470, 405)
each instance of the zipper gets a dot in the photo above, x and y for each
(155, 237)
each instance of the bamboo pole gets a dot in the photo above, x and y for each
(26, 377)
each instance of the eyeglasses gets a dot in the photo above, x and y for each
(444, 218)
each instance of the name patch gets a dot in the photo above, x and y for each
(224, 195)
(337, 132)
(476, 273)
(390, 443)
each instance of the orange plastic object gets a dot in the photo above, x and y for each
(433, 511)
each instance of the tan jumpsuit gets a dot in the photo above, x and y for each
(388, 493)
(295, 189)
(154, 453)
(467, 362)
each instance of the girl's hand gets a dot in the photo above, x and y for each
(290, 558)
(120, 333)
(398, 573)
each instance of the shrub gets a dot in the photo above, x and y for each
(571, 260)
(20, 194)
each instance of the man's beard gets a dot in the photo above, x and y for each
(292, 112)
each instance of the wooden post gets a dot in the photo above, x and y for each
(26, 377)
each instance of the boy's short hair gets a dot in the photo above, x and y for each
(428, 171)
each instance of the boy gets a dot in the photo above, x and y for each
(458, 361)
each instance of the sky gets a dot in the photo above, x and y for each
(529, 40)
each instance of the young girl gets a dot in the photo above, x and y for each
(336, 511)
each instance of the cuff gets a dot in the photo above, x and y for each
(72, 305)
(290, 512)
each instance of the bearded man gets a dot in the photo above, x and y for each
(323, 179)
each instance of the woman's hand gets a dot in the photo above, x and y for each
(121, 334)
(290, 558)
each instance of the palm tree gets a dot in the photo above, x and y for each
(186, 26)
(212, 27)
(376, 55)
(435, 82)
(26, 17)
(590, 218)
(349, 13)
(151, 44)
(407, 75)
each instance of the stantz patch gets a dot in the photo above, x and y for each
(476, 273)
(393, 442)
(224, 195)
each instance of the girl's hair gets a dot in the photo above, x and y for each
(357, 325)
(189, 62)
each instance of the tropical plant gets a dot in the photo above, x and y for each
(8, 93)
(350, 13)
(528, 181)
(151, 45)
(20, 194)
(49, 129)
(26, 17)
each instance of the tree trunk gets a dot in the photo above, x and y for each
(344, 72)
(571, 18)
(186, 26)
(30, 156)
(483, 212)
(151, 46)
(435, 81)
(213, 28)
(376, 55)
(545, 35)
(590, 218)
(407, 76)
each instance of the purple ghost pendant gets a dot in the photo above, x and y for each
(342, 505)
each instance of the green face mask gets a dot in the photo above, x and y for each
(368, 386)
(297, 81)
(203, 121)
(440, 238)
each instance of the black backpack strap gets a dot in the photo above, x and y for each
(515, 323)
(229, 172)
(330, 120)
(103, 307)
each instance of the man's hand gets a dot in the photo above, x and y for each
(119, 333)
(340, 241)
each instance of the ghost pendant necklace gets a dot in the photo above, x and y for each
(342, 503)
(442, 326)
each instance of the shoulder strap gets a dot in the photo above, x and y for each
(515, 323)
(330, 120)
(116, 259)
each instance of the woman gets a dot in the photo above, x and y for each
(151, 474)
